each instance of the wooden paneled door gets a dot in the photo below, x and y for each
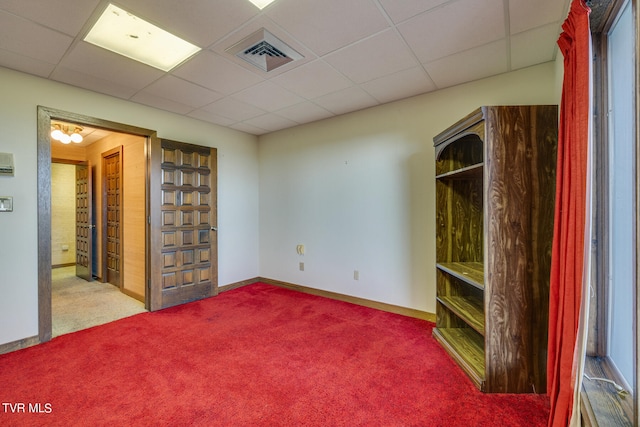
(112, 211)
(84, 221)
(183, 201)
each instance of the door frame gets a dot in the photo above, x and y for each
(44, 117)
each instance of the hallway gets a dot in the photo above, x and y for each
(78, 304)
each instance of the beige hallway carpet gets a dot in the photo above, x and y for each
(77, 304)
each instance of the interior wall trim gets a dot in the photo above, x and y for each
(404, 311)
(19, 345)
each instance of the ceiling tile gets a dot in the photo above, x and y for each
(233, 109)
(245, 127)
(305, 112)
(206, 116)
(346, 100)
(268, 96)
(96, 84)
(103, 64)
(183, 92)
(160, 102)
(399, 11)
(400, 85)
(487, 60)
(377, 56)
(68, 16)
(453, 28)
(534, 47)
(26, 38)
(201, 22)
(324, 26)
(25, 64)
(271, 122)
(312, 80)
(526, 14)
(214, 72)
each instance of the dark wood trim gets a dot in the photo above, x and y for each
(44, 224)
(44, 117)
(66, 161)
(133, 295)
(19, 345)
(409, 312)
(236, 285)
(69, 264)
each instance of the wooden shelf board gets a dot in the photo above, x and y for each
(466, 348)
(470, 272)
(473, 171)
(466, 308)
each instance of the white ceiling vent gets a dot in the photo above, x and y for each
(264, 50)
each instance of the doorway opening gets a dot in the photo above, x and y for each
(88, 181)
(79, 294)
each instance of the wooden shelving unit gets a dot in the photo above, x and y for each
(495, 188)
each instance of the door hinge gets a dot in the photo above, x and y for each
(149, 219)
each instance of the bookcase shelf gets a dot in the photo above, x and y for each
(495, 189)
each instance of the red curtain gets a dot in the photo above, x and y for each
(570, 213)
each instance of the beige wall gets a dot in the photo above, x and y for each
(358, 191)
(63, 214)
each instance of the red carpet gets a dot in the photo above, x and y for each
(258, 355)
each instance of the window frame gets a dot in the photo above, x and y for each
(606, 13)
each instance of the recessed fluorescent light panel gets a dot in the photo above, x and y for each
(261, 4)
(124, 33)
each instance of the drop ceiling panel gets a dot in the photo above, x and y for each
(453, 28)
(357, 53)
(527, 49)
(160, 102)
(400, 85)
(26, 38)
(178, 90)
(351, 99)
(233, 109)
(67, 16)
(103, 64)
(93, 83)
(268, 96)
(305, 112)
(201, 22)
(377, 56)
(324, 26)
(525, 14)
(206, 116)
(25, 64)
(216, 73)
(271, 122)
(312, 80)
(487, 60)
(402, 10)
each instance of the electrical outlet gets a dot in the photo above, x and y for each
(356, 275)
(301, 265)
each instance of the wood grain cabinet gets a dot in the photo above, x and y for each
(495, 190)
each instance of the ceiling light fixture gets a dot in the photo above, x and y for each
(66, 134)
(124, 33)
(261, 4)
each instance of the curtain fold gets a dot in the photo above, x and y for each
(568, 261)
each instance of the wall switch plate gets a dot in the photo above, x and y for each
(6, 204)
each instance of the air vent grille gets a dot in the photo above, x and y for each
(264, 50)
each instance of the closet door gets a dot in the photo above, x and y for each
(183, 221)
